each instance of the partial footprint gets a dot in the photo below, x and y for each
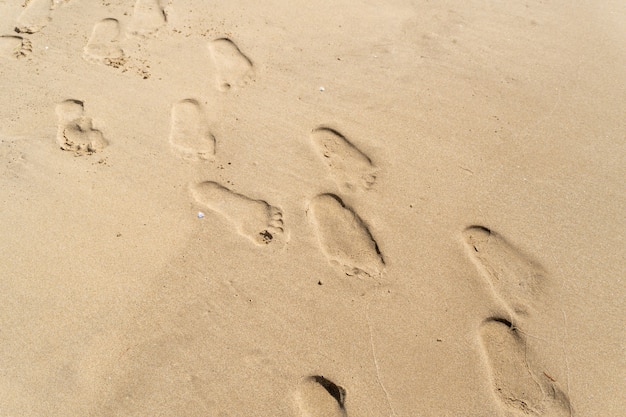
(35, 16)
(189, 133)
(102, 47)
(518, 382)
(254, 219)
(350, 167)
(319, 397)
(515, 278)
(148, 17)
(75, 132)
(14, 47)
(234, 69)
(344, 238)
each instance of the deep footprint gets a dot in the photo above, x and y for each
(35, 16)
(102, 47)
(75, 132)
(320, 397)
(350, 167)
(254, 219)
(514, 278)
(234, 69)
(517, 382)
(14, 47)
(344, 238)
(190, 135)
(148, 18)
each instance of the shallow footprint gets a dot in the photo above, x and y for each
(319, 397)
(234, 69)
(189, 133)
(102, 47)
(35, 16)
(148, 17)
(521, 387)
(14, 47)
(350, 167)
(344, 238)
(75, 132)
(514, 277)
(254, 219)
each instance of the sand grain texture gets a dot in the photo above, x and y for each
(312, 209)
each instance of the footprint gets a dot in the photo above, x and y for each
(102, 47)
(350, 167)
(518, 383)
(189, 133)
(75, 132)
(35, 16)
(14, 47)
(148, 17)
(255, 219)
(234, 69)
(319, 397)
(344, 238)
(513, 277)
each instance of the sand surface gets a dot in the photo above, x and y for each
(295, 208)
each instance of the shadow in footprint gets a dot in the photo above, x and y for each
(320, 397)
(14, 47)
(344, 238)
(349, 166)
(513, 276)
(35, 16)
(519, 382)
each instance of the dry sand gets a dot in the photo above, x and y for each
(302, 208)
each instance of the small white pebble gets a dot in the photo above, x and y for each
(322, 89)
(200, 215)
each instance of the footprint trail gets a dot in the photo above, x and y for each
(344, 238)
(254, 219)
(349, 166)
(518, 383)
(234, 69)
(190, 135)
(319, 397)
(75, 132)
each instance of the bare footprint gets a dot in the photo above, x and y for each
(350, 167)
(254, 219)
(35, 16)
(514, 277)
(344, 238)
(518, 383)
(234, 69)
(102, 47)
(148, 17)
(319, 397)
(189, 133)
(75, 132)
(14, 47)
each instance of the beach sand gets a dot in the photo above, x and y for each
(334, 208)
